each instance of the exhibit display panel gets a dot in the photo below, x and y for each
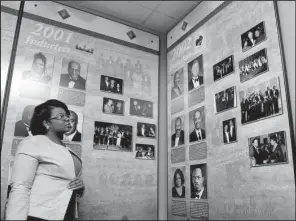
(113, 103)
(230, 135)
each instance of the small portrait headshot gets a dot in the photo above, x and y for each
(22, 127)
(141, 108)
(268, 149)
(73, 74)
(178, 189)
(253, 37)
(198, 175)
(177, 131)
(146, 130)
(177, 83)
(223, 68)
(145, 152)
(229, 131)
(197, 125)
(113, 106)
(195, 73)
(111, 84)
(41, 68)
(225, 99)
(74, 134)
(253, 65)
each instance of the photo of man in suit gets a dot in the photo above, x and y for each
(198, 180)
(22, 127)
(142, 131)
(72, 79)
(108, 106)
(229, 131)
(105, 84)
(195, 70)
(198, 133)
(178, 136)
(73, 134)
(118, 108)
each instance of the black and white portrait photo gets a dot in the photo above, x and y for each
(113, 106)
(225, 99)
(195, 73)
(111, 84)
(223, 68)
(178, 190)
(141, 108)
(39, 67)
(145, 151)
(177, 80)
(146, 130)
(111, 136)
(253, 65)
(76, 122)
(261, 101)
(198, 181)
(253, 37)
(177, 129)
(197, 124)
(73, 74)
(268, 149)
(229, 131)
(22, 126)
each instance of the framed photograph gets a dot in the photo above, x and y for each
(225, 100)
(177, 80)
(76, 122)
(112, 136)
(39, 68)
(253, 37)
(253, 65)
(198, 181)
(145, 151)
(146, 130)
(195, 73)
(268, 149)
(223, 68)
(197, 125)
(73, 74)
(177, 131)
(229, 131)
(261, 101)
(178, 182)
(141, 108)
(22, 125)
(111, 84)
(113, 106)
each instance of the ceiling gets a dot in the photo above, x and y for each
(153, 16)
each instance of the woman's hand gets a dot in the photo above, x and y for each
(76, 184)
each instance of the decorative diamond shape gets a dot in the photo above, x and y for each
(64, 14)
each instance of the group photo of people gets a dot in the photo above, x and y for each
(225, 99)
(177, 80)
(73, 74)
(141, 108)
(268, 149)
(260, 101)
(198, 181)
(110, 136)
(113, 106)
(223, 68)
(253, 36)
(111, 84)
(145, 151)
(179, 189)
(229, 131)
(195, 73)
(253, 65)
(146, 130)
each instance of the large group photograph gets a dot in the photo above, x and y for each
(141, 108)
(145, 152)
(261, 101)
(225, 100)
(112, 136)
(146, 130)
(253, 36)
(268, 149)
(223, 68)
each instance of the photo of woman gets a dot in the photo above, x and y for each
(179, 188)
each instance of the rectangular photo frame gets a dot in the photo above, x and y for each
(145, 152)
(198, 181)
(253, 36)
(225, 100)
(113, 106)
(146, 130)
(229, 131)
(223, 68)
(111, 84)
(141, 108)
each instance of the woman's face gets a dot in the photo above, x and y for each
(60, 121)
(38, 66)
(178, 180)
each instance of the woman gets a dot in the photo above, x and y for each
(45, 179)
(149, 154)
(179, 188)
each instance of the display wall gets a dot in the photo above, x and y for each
(117, 143)
(237, 103)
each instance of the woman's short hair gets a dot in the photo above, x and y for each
(40, 56)
(178, 171)
(42, 113)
